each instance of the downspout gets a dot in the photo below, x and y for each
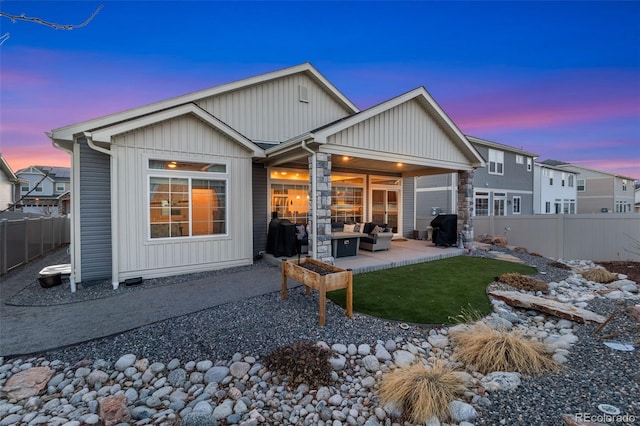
(115, 282)
(72, 276)
(314, 200)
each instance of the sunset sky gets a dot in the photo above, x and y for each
(559, 79)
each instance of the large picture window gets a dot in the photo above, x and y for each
(187, 200)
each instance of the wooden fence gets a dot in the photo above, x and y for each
(22, 240)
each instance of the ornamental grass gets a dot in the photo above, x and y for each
(421, 391)
(599, 275)
(523, 282)
(489, 350)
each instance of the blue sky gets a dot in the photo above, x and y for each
(559, 79)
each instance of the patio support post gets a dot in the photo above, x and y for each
(323, 202)
(465, 206)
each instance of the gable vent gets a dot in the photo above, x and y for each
(304, 93)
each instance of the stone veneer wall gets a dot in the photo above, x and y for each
(322, 229)
(465, 206)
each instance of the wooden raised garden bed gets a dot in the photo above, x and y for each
(322, 277)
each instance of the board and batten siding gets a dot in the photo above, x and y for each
(95, 214)
(406, 129)
(260, 199)
(272, 111)
(189, 139)
(6, 191)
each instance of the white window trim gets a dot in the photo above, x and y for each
(186, 174)
(529, 164)
(496, 157)
(482, 195)
(513, 207)
(519, 159)
(584, 185)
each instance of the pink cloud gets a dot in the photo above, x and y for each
(561, 98)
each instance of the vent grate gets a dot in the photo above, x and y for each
(304, 93)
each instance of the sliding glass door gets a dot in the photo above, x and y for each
(385, 207)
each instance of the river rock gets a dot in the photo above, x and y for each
(239, 369)
(371, 363)
(403, 358)
(28, 382)
(461, 411)
(125, 361)
(216, 374)
(438, 341)
(199, 419)
(500, 381)
(113, 409)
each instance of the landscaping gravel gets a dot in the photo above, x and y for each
(593, 373)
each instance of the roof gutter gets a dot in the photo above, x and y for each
(115, 282)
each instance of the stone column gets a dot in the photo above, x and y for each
(465, 206)
(322, 229)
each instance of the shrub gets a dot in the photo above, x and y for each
(520, 250)
(523, 282)
(533, 253)
(302, 362)
(559, 265)
(489, 350)
(599, 275)
(420, 391)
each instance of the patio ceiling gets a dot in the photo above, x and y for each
(346, 163)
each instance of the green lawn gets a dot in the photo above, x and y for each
(428, 293)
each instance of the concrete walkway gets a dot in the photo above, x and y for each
(32, 329)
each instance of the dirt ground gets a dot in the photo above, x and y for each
(631, 269)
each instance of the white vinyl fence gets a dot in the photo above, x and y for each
(597, 237)
(23, 240)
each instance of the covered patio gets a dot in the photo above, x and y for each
(363, 168)
(403, 252)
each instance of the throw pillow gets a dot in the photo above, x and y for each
(377, 229)
(349, 227)
(356, 227)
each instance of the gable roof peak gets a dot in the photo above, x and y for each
(67, 133)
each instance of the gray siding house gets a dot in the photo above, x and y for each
(189, 184)
(504, 187)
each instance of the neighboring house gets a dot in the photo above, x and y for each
(637, 197)
(45, 190)
(505, 186)
(598, 191)
(189, 184)
(555, 190)
(9, 185)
